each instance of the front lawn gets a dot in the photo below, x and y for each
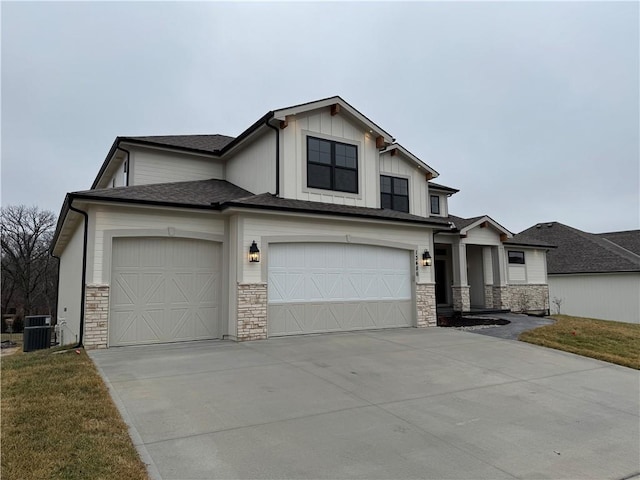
(614, 342)
(58, 421)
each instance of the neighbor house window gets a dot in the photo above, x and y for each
(394, 193)
(435, 204)
(332, 165)
(516, 257)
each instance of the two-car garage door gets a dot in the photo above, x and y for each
(164, 290)
(326, 287)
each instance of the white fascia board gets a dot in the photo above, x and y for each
(283, 113)
(491, 221)
(412, 157)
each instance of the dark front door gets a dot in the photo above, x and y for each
(441, 281)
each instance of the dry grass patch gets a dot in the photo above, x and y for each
(58, 421)
(614, 342)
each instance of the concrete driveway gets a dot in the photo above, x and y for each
(402, 403)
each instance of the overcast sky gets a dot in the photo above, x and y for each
(530, 109)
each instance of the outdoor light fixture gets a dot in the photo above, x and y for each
(426, 258)
(254, 253)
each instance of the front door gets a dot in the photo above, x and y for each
(441, 281)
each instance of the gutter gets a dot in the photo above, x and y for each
(84, 270)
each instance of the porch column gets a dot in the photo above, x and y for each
(460, 287)
(487, 263)
(500, 287)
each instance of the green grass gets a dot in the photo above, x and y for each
(58, 421)
(614, 342)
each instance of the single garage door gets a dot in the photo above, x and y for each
(164, 290)
(329, 287)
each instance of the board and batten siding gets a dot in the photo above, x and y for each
(150, 167)
(70, 286)
(534, 270)
(397, 166)
(322, 124)
(444, 206)
(255, 228)
(605, 296)
(254, 167)
(105, 219)
(482, 236)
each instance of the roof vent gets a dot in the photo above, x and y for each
(549, 225)
(538, 226)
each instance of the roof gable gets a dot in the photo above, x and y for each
(344, 109)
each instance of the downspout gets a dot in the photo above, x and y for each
(84, 270)
(128, 163)
(277, 130)
(57, 288)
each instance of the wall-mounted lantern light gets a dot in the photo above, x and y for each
(254, 253)
(426, 258)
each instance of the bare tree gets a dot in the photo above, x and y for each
(557, 302)
(28, 272)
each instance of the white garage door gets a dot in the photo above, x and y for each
(164, 290)
(325, 287)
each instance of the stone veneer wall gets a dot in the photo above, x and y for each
(252, 311)
(426, 305)
(529, 298)
(96, 316)
(461, 299)
(488, 296)
(501, 298)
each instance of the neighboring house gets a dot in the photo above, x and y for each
(591, 275)
(312, 220)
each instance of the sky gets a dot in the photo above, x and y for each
(531, 109)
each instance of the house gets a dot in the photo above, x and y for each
(314, 219)
(591, 275)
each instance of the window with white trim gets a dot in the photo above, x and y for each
(332, 165)
(394, 193)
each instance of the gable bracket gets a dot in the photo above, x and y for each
(503, 237)
(335, 109)
(283, 124)
(429, 176)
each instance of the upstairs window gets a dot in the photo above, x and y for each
(515, 257)
(394, 193)
(435, 204)
(332, 165)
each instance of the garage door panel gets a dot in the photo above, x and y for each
(172, 299)
(316, 287)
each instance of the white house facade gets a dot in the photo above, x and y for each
(312, 220)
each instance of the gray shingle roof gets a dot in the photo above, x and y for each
(580, 252)
(629, 240)
(437, 186)
(201, 193)
(220, 194)
(269, 201)
(206, 143)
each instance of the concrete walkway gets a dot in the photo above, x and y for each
(403, 403)
(518, 323)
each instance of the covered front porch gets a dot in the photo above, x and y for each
(470, 270)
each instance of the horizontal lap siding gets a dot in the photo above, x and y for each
(253, 168)
(70, 286)
(136, 219)
(602, 296)
(155, 167)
